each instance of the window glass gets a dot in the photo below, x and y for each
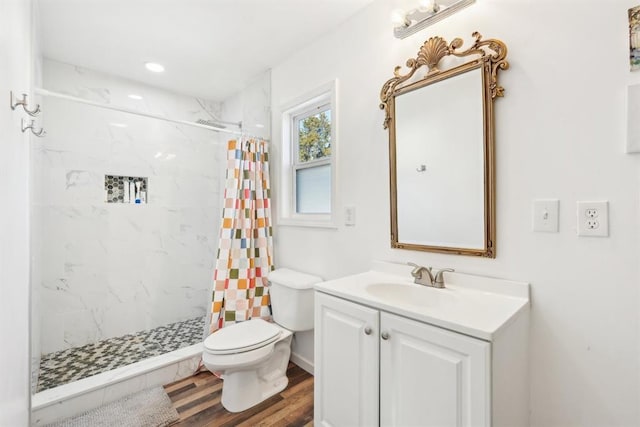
(314, 136)
(313, 190)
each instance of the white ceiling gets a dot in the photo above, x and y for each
(210, 48)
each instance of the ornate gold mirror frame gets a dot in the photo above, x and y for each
(489, 58)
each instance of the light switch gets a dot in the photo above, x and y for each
(545, 215)
(350, 215)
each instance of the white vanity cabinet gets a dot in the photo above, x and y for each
(382, 363)
(421, 375)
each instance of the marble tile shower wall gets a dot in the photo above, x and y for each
(112, 269)
(253, 105)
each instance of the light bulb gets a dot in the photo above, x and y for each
(154, 67)
(428, 6)
(399, 18)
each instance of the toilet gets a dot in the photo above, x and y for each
(252, 356)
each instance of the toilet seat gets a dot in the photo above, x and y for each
(242, 337)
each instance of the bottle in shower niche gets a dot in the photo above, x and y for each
(138, 191)
(127, 194)
(132, 192)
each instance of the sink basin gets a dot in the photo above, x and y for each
(472, 305)
(410, 294)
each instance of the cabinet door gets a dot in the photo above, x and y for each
(432, 377)
(346, 363)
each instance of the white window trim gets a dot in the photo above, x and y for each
(324, 95)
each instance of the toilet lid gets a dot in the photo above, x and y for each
(243, 336)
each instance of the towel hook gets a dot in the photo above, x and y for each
(23, 102)
(422, 168)
(31, 125)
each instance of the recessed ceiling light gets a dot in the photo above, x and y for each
(134, 96)
(155, 67)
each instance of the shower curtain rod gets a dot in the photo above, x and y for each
(45, 92)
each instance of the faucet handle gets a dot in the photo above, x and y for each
(417, 269)
(421, 274)
(439, 277)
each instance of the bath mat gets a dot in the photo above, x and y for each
(148, 408)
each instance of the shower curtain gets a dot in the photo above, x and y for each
(245, 251)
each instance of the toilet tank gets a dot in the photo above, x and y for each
(292, 298)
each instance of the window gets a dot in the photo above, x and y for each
(308, 160)
(312, 164)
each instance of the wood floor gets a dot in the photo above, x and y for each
(197, 400)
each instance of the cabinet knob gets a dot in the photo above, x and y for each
(384, 335)
(367, 331)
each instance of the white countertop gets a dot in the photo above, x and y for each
(473, 305)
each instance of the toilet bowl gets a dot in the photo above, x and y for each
(252, 356)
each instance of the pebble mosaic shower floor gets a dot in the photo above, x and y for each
(73, 364)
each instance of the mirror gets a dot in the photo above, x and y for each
(441, 148)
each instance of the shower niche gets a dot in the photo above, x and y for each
(125, 189)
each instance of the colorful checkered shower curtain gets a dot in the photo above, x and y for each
(245, 253)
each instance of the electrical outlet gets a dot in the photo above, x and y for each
(593, 219)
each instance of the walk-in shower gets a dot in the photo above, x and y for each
(125, 220)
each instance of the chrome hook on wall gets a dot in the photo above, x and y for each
(422, 168)
(23, 102)
(31, 125)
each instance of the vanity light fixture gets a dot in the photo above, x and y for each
(427, 13)
(154, 67)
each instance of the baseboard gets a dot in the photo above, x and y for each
(305, 364)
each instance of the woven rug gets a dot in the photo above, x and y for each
(149, 408)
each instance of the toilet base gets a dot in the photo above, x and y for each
(243, 389)
(236, 399)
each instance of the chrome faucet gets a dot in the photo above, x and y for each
(424, 276)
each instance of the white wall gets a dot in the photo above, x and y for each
(15, 75)
(560, 133)
(111, 269)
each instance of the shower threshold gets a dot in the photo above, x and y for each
(80, 395)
